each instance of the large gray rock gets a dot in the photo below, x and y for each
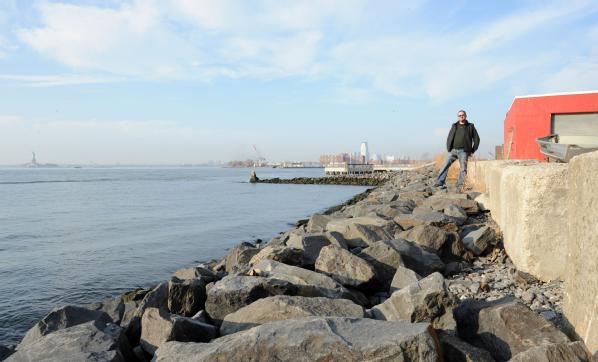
(311, 244)
(427, 300)
(416, 258)
(457, 212)
(504, 327)
(5, 352)
(61, 318)
(477, 239)
(114, 307)
(159, 327)
(564, 352)
(282, 307)
(186, 297)
(307, 282)
(362, 231)
(457, 350)
(314, 339)
(196, 272)
(240, 256)
(344, 267)
(403, 277)
(429, 236)
(440, 203)
(433, 218)
(317, 223)
(234, 292)
(280, 253)
(385, 259)
(155, 298)
(90, 341)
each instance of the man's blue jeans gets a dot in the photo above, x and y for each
(456, 153)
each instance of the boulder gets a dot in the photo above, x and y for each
(434, 218)
(62, 318)
(114, 307)
(385, 259)
(240, 256)
(307, 282)
(363, 231)
(455, 349)
(234, 292)
(5, 352)
(440, 203)
(282, 307)
(504, 327)
(477, 239)
(159, 326)
(431, 237)
(280, 253)
(344, 267)
(456, 212)
(155, 298)
(311, 244)
(403, 277)
(427, 300)
(196, 272)
(314, 339)
(186, 297)
(317, 223)
(89, 341)
(563, 352)
(416, 258)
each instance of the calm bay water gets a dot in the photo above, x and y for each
(76, 236)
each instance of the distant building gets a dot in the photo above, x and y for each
(334, 159)
(364, 152)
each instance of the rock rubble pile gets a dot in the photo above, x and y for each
(406, 272)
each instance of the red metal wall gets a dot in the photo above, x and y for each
(529, 118)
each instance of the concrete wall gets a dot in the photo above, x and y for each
(581, 274)
(548, 214)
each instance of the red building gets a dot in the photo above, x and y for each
(531, 117)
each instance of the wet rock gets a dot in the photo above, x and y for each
(325, 339)
(5, 352)
(457, 350)
(504, 327)
(425, 235)
(159, 327)
(114, 307)
(344, 267)
(426, 300)
(477, 239)
(286, 307)
(89, 341)
(402, 278)
(563, 352)
(186, 297)
(240, 256)
(155, 298)
(234, 292)
(62, 318)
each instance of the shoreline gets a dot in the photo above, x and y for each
(399, 234)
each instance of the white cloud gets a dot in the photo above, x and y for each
(9, 120)
(56, 80)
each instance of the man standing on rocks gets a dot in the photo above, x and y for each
(462, 141)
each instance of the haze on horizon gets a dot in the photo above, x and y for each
(182, 81)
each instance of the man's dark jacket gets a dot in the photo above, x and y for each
(471, 137)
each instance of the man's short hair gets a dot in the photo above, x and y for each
(465, 113)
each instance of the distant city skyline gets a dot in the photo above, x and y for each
(186, 82)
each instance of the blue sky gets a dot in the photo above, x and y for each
(185, 81)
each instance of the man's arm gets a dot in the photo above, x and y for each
(476, 140)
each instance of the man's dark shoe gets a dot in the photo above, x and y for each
(439, 185)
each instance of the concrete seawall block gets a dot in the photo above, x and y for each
(581, 276)
(533, 217)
